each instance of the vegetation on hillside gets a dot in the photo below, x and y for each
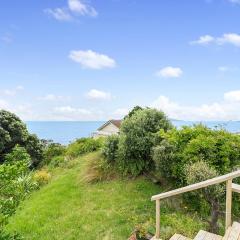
(101, 188)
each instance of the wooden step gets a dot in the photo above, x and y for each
(233, 233)
(179, 237)
(203, 235)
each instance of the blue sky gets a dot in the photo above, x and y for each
(95, 60)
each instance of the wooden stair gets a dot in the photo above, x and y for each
(233, 233)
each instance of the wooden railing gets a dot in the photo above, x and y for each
(230, 188)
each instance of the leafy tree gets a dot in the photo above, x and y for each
(137, 136)
(35, 148)
(12, 131)
(133, 111)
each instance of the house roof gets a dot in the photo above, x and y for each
(115, 122)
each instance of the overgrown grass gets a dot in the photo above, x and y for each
(70, 208)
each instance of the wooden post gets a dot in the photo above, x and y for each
(229, 204)
(157, 236)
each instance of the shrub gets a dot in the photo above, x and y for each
(199, 172)
(15, 181)
(53, 150)
(58, 161)
(110, 148)
(137, 137)
(42, 177)
(83, 145)
(98, 169)
(162, 155)
(19, 157)
(178, 148)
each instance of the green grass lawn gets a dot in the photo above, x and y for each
(69, 208)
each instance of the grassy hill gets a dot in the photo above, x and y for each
(70, 208)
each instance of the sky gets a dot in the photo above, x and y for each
(67, 60)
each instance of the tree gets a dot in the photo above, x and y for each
(14, 132)
(201, 171)
(133, 111)
(137, 135)
(35, 148)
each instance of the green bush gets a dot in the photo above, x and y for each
(201, 171)
(53, 150)
(137, 137)
(83, 145)
(178, 148)
(58, 161)
(110, 148)
(15, 181)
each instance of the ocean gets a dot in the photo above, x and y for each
(66, 132)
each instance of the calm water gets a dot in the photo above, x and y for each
(65, 132)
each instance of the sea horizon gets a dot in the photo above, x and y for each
(64, 132)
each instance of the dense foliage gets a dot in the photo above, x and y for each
(136, 139)
(83, 145)
(110, 149)
(15, 181)
(12, 132)
(194, 154)
(219, 148)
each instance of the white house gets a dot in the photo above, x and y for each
(109, 128)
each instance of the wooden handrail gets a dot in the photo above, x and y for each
(197, 186)
(230, 187)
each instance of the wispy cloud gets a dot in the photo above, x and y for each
(73, 9)
(227, 109)
(170, 72)
(81, 8)
(12, 92)
(91, 59)
(61, 14)
(53, 98)
(204, 40)
(95, 94)
(227, 38)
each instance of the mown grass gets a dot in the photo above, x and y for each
(70, 208)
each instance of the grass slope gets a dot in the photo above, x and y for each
(68, 208)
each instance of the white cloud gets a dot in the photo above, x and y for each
(98, 95)
(53, 98)
(227, 38)
(233, 96)
(12, 92)
(170, 72)
(3, 104)
(228, 109)
(91, 59)
(61, 14)
(204, 40)
(79, 7)
(73, 9)
(70, 113)
(119, 113)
